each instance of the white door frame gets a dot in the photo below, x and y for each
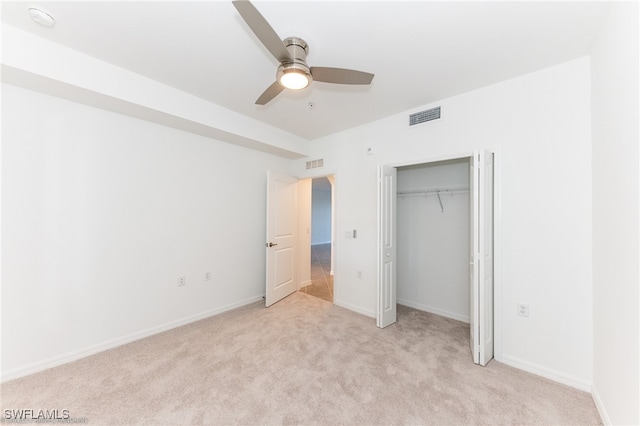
(497, 235)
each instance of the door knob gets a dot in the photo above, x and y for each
(271, 244)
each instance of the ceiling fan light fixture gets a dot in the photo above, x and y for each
(294, 76)
(294, 80)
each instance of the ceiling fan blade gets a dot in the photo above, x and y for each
(271, 92)
(340, 75)
(262, 29)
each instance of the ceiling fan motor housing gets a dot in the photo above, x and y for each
(298, 48)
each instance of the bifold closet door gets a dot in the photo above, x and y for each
(387, 208)
(481, 257)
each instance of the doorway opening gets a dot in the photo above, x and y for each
(321, 241)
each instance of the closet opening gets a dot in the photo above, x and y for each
(433, 238)
(436, 243)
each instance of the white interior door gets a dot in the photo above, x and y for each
(481, 257)
(282, 212)
(386, 312)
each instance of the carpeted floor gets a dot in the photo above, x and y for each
(301, 361)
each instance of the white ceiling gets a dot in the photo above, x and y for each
(420, 51)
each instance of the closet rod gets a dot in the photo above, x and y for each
(460, 190)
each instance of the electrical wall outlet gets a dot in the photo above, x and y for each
(523, 310)
(207, 276)
(182, 281)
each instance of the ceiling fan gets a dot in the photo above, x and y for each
(293, 72)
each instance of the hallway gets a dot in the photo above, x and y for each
(321, 279)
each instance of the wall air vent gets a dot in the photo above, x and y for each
(315, 164)
(424, 116)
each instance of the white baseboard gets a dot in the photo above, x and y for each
(100, 347)
(432, 310)
(600, 406)
(305, 283)
(547, 373)
(355, 308)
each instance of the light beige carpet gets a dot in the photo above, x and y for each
(301, 361)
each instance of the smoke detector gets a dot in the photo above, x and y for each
(41, 17)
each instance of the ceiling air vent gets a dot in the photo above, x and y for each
(424, 116)
(315, 164)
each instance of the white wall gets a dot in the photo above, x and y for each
(540, 125)
(321, 216)
(433, 240)
(616, 231)
(102, 213)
